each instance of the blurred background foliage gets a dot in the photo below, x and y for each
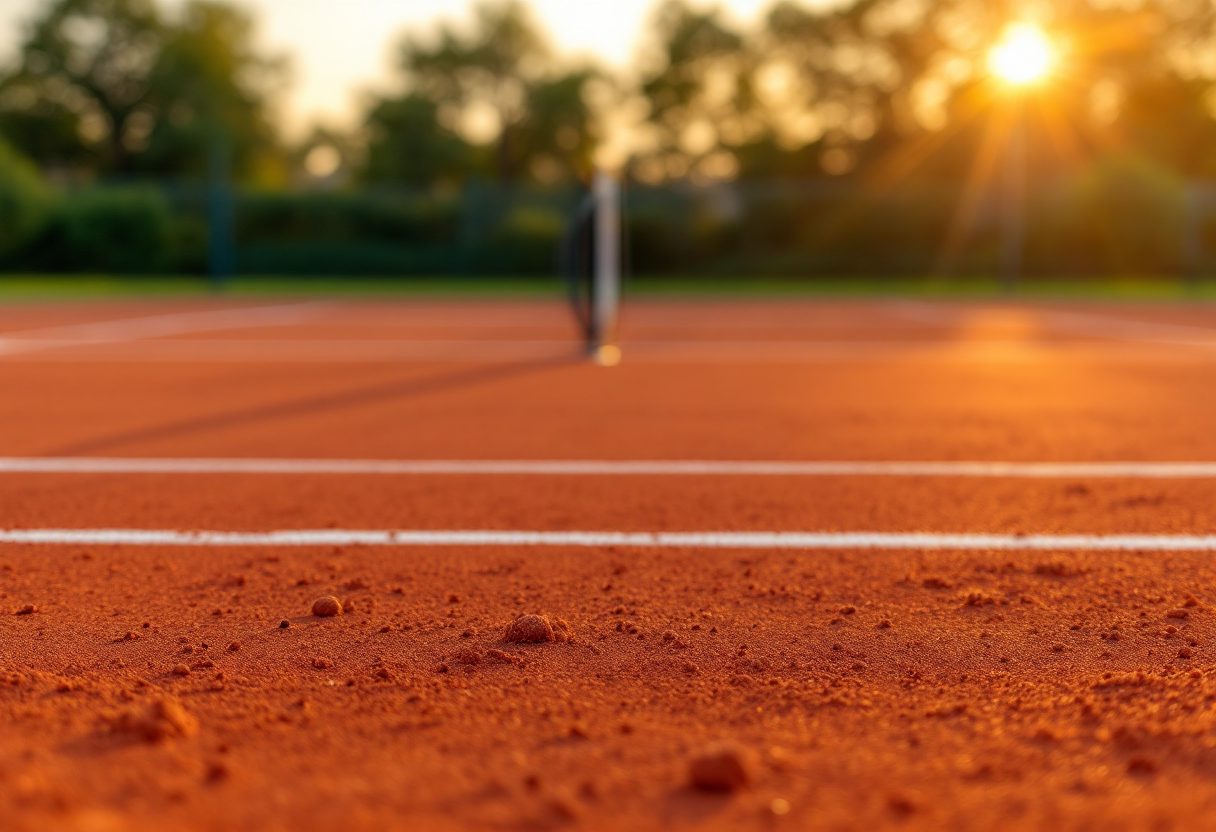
(863, 138)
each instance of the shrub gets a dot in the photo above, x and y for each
(24, 201)
(108, 229)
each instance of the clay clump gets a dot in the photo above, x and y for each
(529, 629)
(161, 720)
(326, 606)
(722, 767)
(537, 629)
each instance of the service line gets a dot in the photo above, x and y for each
(688, 540)
(600, 467)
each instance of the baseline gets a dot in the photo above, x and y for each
(575, 467)
(688, 540)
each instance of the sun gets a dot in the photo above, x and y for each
(1023, 56)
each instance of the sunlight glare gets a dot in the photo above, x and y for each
(1023, 56)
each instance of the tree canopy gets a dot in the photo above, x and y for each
(882, 78)
(871, 88)
(497, 86)
(114, 86)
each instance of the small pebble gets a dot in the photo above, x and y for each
(326, 606)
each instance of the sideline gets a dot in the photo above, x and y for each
(594, 467)
(646, 540)
(94, 333)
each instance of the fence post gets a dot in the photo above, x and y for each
(221, 233)
(1192, 231)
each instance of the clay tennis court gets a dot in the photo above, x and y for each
(777, 525)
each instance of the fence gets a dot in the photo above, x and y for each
(1100, 225)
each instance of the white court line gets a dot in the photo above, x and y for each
(559, 467)
(692, 540)
(338, 351)
(154, 326)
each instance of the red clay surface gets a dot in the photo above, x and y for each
(917, 690)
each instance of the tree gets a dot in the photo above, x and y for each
(210, 88)
(496, 83)
(491, 69)
(700, 95)
(95, 58)
(47, 130)
(859, 72)
(111, 84)
(882, 77)
(407, 143)
(558, 135)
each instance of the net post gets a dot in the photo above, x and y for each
(606, 286)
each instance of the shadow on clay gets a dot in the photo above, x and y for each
(374, 394)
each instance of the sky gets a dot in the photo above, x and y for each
(340, 49)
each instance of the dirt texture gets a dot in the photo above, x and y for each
(152, 688)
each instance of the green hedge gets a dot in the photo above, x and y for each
(116, 230)
(1118, 217)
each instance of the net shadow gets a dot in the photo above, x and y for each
(370, 395)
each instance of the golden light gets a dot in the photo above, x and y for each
(1023, 56)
